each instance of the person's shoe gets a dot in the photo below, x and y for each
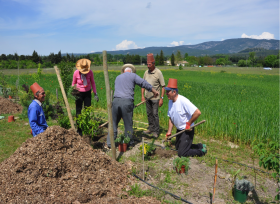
(147, 132)
(131, 143)
(106, 147)
(204, 150)
(155, 134)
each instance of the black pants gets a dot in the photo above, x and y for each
(152, 113)
(122, 108)
(184, 145)
(84, 98)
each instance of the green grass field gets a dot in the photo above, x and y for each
(239, 107)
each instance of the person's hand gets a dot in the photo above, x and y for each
(143, 98)
(160, 102)
(188, 126)
(167, 135)
(96, 98)
(156, 94)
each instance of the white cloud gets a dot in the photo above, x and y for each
(174, 43)
(92, 51)
(222, 39)
(264, 35)
(125, 45)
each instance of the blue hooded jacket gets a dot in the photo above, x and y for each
(36, 118)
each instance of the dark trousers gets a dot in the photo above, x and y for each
(152, 113)
(184, 145)
(122, 108)
(84, 98)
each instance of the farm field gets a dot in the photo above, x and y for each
(238, 108)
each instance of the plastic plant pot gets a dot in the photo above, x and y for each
(182, 170)
(240, 196)
(11, 119)
(10, 97)
(122, 147)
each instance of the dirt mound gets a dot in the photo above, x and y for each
(8, 106)
(58, 166)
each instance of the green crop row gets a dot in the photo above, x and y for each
(239, 108)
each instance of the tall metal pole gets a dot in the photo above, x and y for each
(109, 104)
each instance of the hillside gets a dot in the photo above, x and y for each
(229, 46)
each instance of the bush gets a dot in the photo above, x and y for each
(63, 121)
(66, 73)
(88, 123)
(181, 161)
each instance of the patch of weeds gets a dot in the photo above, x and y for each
(133, 158)
(138, 192)
(167, 178)
(264, 188)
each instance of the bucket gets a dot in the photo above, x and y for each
(240, 196)
(122, 147)
(11, 118)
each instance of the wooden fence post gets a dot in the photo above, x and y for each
(109, 104)
(65, 98)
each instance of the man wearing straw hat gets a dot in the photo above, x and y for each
(153, 76)
(123, 103)
(84, 81)
(182, 113)
(36, 116)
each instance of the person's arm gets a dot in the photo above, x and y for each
(170, 127)
(33, 120)
(162, 95)
(74, 81)
(142, 93)
(194, 117)
(93, 83)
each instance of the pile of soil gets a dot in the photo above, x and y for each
(163, 153)
(58, 166)
(8, 106)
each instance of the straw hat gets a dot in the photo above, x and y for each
(83, 65)
(150, 58)
(35, 88)
(128, 66)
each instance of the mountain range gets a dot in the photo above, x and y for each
(229, 46)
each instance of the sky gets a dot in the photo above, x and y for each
(85, 26)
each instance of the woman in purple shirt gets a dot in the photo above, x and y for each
(83, 79)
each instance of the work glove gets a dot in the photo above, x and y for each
(167, 135)
(188, 126)
(96, 98)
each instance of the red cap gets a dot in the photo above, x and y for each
(172, 83)
(35, 88)
(150, 58)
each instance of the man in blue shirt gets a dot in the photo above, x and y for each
(36, 114)
(123, 103)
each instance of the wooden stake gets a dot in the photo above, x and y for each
(143, 158)
(65, 98)
(109, 105)
(215, 179)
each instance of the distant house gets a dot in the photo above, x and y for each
(267, 68)
(183, 63)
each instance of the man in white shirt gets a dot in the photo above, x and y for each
(182, 113)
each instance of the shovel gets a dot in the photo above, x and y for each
(169, 138)
(134, 107)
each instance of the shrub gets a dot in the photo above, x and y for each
(121, 138)
(66, 73)
(88, 123)
(181, 161)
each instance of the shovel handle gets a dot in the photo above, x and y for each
(203, 121)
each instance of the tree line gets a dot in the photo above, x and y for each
(14, 61)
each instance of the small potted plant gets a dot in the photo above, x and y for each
(149, 149)
(122, 140)
(181, 164)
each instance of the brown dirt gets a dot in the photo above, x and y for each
(8, 106)
(58, 166)
(163, 153)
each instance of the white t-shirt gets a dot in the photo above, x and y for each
(180, 111)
